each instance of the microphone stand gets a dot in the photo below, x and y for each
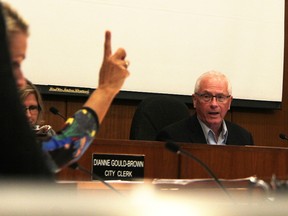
(283, 136)
(55, 111)
(176, 149)
(76, 166)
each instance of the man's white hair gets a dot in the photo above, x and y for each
(214, 74)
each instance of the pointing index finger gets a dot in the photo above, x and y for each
(107, 44)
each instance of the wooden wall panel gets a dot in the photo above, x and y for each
(264, 125)
(54, 120)
(117, 123)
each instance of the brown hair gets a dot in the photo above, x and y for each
(14, 22)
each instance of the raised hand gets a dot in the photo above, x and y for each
(112, 75)
(114, 70)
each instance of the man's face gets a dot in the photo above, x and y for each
(212, 112)
(18, 46)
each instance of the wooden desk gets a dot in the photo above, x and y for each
(235, 161)
(159, 162)
(228, 162)
(248, 190)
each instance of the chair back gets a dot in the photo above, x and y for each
(155, 112)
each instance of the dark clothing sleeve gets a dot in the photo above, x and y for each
(70, 143)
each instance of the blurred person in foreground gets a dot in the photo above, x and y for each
(211, 99)
(79, 130)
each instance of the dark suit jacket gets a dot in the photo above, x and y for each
(189, 130)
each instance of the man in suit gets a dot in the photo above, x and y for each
(211, 99)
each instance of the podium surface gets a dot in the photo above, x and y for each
(228, 162)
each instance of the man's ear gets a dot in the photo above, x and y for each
(231, 98)
(194, 100)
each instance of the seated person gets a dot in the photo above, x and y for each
(211, 99)
(33, 105)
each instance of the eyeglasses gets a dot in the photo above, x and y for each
(209, 97)
(33, 109)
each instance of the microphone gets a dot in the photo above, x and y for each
(176, 149)
(55, 111)
(76, 166)
(283, 136)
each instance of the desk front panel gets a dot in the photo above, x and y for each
(159, 162)
(235, 161)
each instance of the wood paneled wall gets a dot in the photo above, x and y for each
(265, 125)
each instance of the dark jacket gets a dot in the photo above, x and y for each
(189, 130)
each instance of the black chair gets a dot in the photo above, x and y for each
(154, 113)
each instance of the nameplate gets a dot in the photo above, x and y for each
(118, 167)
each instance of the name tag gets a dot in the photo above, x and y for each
(118, 167)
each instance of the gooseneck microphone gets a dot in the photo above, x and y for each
(55, 111)
(283, 136)
(176, 149)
